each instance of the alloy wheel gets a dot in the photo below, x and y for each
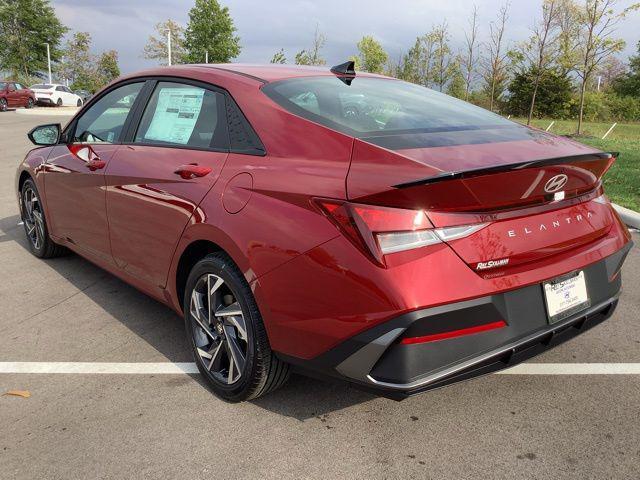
(3, 105)
(219, 329)
(33, 218)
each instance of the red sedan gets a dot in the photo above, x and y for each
(13, 94)
(343, 223)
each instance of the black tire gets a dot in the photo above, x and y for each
(3, 105)
(59, 102)
(79, 103)
(35, 224)
(29, 103)
(262, 372)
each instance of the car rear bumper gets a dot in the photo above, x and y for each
(44, 100)
(378, 360)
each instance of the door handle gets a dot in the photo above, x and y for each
(192, 170)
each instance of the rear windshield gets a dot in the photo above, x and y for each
(373, 106)
(42, 86)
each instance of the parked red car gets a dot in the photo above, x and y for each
(351, 225)
(13, 94)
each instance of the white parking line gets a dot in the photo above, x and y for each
(167, 368)
(99, 368)
(573, 369)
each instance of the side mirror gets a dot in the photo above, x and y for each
(45, 135)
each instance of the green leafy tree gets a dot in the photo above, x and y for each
(540, 50)
(371, 56)
(107, 68)
(598, 23)
(210, 32)
(279, 57)
(554, 93)
(76, 65)
(25, 27)
(442, 56)
(457, 86)
(312, 55)
(417, 64)
(157, 48)
(629, 83)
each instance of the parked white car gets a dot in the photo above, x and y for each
(55, 94)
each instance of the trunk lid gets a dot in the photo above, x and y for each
(533, 191)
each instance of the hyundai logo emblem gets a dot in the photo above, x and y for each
(556, 183)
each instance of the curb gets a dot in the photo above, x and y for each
(48, 111)
(629, 217)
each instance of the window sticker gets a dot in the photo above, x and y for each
(176, 114)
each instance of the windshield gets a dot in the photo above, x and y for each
(42, 86)
(378, 106)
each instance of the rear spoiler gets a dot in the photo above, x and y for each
(508, 167)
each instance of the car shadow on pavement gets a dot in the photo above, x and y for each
(159, 326)
(305, 397)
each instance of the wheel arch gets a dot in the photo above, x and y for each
(191, 255)
(197, 242)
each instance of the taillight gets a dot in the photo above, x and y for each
(380, 231)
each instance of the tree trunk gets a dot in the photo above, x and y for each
(533, 99)
(493, 90)
(582, 91)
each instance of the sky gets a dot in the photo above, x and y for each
(266, 26)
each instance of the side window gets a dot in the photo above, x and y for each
(12, 86)
(18, 86)
(179, 114)
(103, 122)
(59, 89)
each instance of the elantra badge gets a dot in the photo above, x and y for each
(556, 183)
(492, 264)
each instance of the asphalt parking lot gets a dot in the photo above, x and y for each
(90, 426)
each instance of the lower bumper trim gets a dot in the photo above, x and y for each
(510, 354)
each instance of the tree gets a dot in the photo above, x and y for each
(468, 63)
(540, 49)
(598, 22)
(569, 35)
(157, 48)
(608, 72)
(371, 57)
(442, 57)
(554, 93)
(495, 65)
(26, 26)
(417, 64)
(457, 81)
(629, 83)
(107, 68)
(210, 32)
(76, 65)
(279, 57)
(312, 56)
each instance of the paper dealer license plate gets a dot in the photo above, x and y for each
(566, 296)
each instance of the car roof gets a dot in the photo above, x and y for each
(259, 72)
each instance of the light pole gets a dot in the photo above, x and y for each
(169, 45)
(206, 57)
(49, 61)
